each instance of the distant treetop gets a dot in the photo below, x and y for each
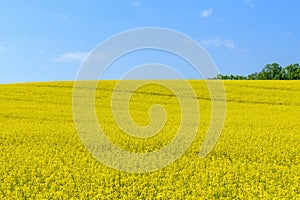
(270, 72)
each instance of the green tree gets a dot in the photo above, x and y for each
(239, 77)
(293, 71)
(270, 72)
(262, 76)
(253, 76)
(283, 74)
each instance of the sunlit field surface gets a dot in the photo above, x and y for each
(257, 155)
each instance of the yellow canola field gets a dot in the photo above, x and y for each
(256, 157)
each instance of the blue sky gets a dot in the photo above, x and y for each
(48, 40)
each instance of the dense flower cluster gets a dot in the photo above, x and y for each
(257, 155)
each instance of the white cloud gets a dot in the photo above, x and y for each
(62, 16)
(250, 3)
(137, 3)
(41, 52)
(44, 68)
(2, 48)
(219, 42)
(228, 43)
(72, 57)
(206, 13)
(287, 34)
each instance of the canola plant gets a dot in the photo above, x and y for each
(256, 157)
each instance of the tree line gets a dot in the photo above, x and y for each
(270, 72)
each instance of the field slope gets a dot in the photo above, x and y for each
(257, 155)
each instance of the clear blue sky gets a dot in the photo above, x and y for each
(48, 40)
